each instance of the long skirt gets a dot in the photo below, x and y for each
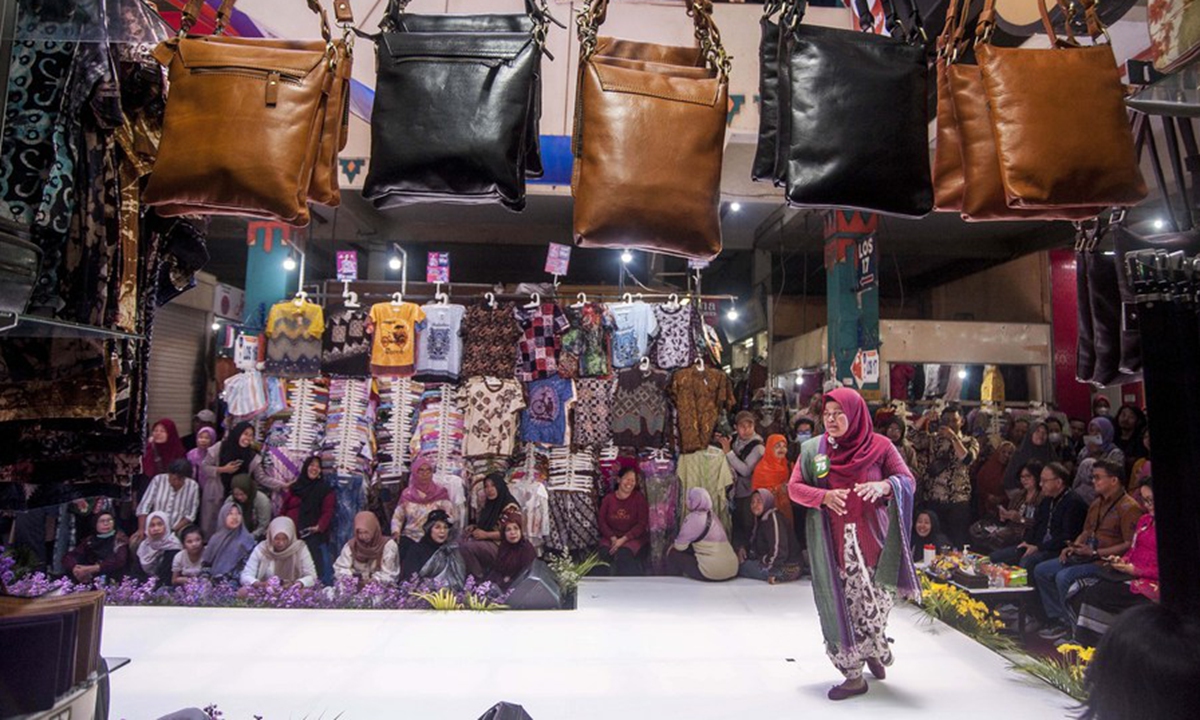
(868, 606)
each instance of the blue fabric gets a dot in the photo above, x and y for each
(545, 419)
(1054, 581)
(349, 492)
(754, 570)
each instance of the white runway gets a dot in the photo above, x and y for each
(636, 648)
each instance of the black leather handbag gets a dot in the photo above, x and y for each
(856, 109)
(457, 107)
(766, 152)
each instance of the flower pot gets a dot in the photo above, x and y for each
(570, 599)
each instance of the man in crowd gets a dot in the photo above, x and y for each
(743, 453)
(1057, 522)
(946, 456)
(174, 493)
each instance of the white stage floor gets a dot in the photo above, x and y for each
(636, 648)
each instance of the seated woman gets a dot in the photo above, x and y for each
(255, 505)
(514, 555)
(188, 563)
(773, 554)
(369, 555)
(1127, 581)
(229, 548)
(419, 499)
(624, 525)
(1009, 525)
(310, 503)
(281, 556)
(701, 550)
(104, 553)
(157, 550)
(436, 542)
(927, 530)
(481, 541)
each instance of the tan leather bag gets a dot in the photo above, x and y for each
(947, 155)
(276, 111)
(1063, 135)
(649, 139)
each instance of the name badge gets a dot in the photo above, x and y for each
(821, 465)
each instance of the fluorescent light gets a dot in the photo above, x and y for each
(289, 263)
(394, 263)
(626, 257)
(735, 207)
(1159, 224)
(732, 314)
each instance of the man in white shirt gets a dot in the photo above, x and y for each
(174, 493)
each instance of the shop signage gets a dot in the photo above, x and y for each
(437, 268)
(697, 263)
(347, 265)
(865, 368)
(558, 259)
(228, 302)
(866, 260)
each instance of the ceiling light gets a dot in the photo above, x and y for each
(1159, 223)
(732, 314)
(289, 263)
(394, 263)
(799, 379)
(216, 326)
(626, 257)
(735, 207)
(962, 374)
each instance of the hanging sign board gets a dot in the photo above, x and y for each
(347, 265)
(866, 367)
(229, 302)
(865, 263)
(558, 259)
(437, 268)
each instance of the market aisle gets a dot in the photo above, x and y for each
(637, 648)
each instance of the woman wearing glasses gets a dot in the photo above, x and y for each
(858, 538)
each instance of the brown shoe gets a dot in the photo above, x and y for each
(875, 665)
(844, 691)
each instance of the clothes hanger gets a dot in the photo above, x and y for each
(535, 300)
(581, 300)
(627, 298)
(397, 298)
(490, 297)
(440, 297)
(350, 298)
(644, 365)
(673, 301)
(300, 298)
(700, 364)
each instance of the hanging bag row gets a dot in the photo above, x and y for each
(457, 107)
(844, 118)
(1011, 146)
(276, 111)
(649, 138)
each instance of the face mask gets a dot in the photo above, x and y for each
(1093, 440)
(1055, 438)
(803, 436)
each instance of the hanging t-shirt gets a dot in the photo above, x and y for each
(346, 348)
(492, 405)
(639, 408)
(490, 338)
(542, 328)
(585, 344)
(675, 346)
(545, 419)
(635, 324)
(593, 406)
(701, 398)
(395, 329)
(439, 344)
(294, 339)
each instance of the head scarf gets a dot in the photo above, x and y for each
(197, 454)
(227, 549)
(512, 558)
(768, 503)
(150, 550)
(312, 493)
(771, 471)
(859, 448)
(490, 513)
(698, 500)
(1106, 436)
(898, 422)
(432, 518)
(157, 456)
(232, 450)
(370, 552)
(288, 566)
(1043, 453)
(935, 536)
(423, 492)
(102, 547)
(246, 484)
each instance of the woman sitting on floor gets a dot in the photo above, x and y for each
(514, 555)
(774, 554)
(422, 496)
(104, 553)
(281, 556)
(188, 563)
(481, 541)
(624, 525)
(927, 530)
(255, 505)
(701, 550)
(369, 555)
(229, 548)
(435, 552)
(157, 550)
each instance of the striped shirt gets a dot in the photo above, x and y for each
(177, 504)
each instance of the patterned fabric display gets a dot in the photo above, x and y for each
(545, 419)
(394, 329)
(398, 398)
(585, 344)
(593, 404)
(349, 444)
(573, 506)
(490, 340)
(662, 489)
(675, 346)
(294, 339)
(700, 399)
(639, 408)
(439, 434)
(346, 348)
(439, 345)
(541, 329)
(527, 483)
(635, 324)
(492, 405)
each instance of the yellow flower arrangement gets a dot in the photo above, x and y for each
(956, 607)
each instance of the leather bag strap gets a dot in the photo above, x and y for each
(537, 10)
(594, 12)
(191, 13)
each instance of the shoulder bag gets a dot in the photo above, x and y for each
(856, 108)
(947, 150)
(457, 106)
(767, 151)
(279, 108)
(649, 139)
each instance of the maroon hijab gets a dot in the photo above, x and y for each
(157, 457)
(851, 455)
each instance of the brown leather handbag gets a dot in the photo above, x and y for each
(649, 139)
(1062, 132)
(947, 154)
(279, 108)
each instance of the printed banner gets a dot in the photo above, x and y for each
(347, 265)
(558, 259)
(437, 268)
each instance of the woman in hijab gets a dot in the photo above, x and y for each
(701, 550)
(481, 541)
(897, 431)
(421, 497)
(1097, 445)
(927, 530)
(236, 455)
(104, 553)
(515, 553)
(988, 480)
(158, 549)
(771, 474)
(212, 492)
(163, 448)
(281, 556)
(863, 494)
(435, 541)
(255, 505)
(1130, 427)
(369, 555)
(310, 503)
(774, 554)
(228, 548)
(1035, 446)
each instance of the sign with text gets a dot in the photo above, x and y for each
(347, 265)
(558, 259)
(865, 263)
(437, 268)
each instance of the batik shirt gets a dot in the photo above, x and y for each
(593, 411)
(542, 328)
(545, 419)
(700, 399)
(490, 340)
(946, 478)
(674, 346)
(492, 405)
(439, 344)
(585, 344)
(294, 339)
(635, 324)
(639, 408)
(346, 348)
(395, 329)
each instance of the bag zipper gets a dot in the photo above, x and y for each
(490, 62)
(272, 78)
